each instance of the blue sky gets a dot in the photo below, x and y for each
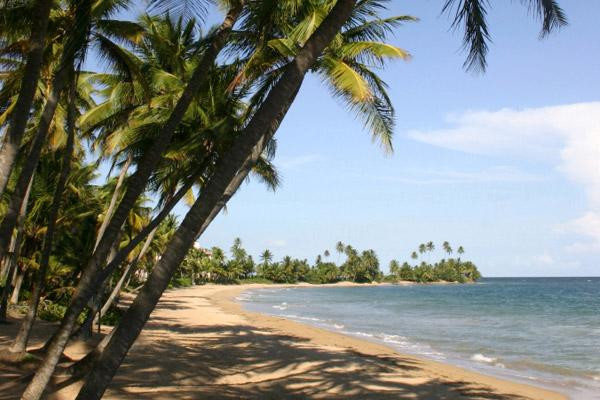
(505, 164)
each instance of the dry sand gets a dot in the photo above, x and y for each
(200, 344)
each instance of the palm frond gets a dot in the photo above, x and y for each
(470, 15)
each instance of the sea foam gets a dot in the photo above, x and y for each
(482, 358)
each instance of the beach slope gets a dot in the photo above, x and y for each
(200, 344)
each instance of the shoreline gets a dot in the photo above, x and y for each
(200, 343)
(226, 300)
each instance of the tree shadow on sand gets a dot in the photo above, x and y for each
(241, 361)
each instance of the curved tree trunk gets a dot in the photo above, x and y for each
(113, 201)
(29, 82)
(264, 122)
(14, 254)
(81, 367)
(131, 267)
(85, 331)
(20, 343)
(136, 185)
(10, 219)
(17, 284)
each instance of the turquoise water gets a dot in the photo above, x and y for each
(543, 331)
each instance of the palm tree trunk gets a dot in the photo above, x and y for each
(14, 254)
(31, 162)
(17, 284)
(29, 82)
(127, 273)
(136, 185)
(20, 343)
(85, 331)
(266, 119)
(113, 201)
(81, 367)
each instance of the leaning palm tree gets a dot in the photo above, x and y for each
(137, 183)
(29, 82)
(20, 343)
(266, 119)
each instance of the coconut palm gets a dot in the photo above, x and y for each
(262, 125)
(394, 268)
(20, 343)
(447, 247)
(135, 187)
(21, 109)
(430, 247)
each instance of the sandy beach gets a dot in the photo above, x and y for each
(201, 344)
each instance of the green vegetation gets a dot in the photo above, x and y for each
(212, 266)
(447, 270)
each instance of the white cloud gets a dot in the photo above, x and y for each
(586, 225)
(500, 173)
(567, 135)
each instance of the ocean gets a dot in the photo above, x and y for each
(541, 331)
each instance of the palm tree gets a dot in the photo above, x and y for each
(430, 246)
(422, 248)
(80, 18)
(460, 252)
(15, 249)
(279, 88)
(134, 189)
(339, 248)
(414, 255)
(394, 268)
(20, 114)
(262, 126)
(266, 257)
(447, 247)
(20, 343)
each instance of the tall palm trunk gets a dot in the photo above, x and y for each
(81, 367)
(113, 201)
(14, 254)
(10, 219)
(17, 284)
(29, 83)
(266, 119)
(136, 185)
(122, 254)
(131, 267)
(86, 329)
(20, 343)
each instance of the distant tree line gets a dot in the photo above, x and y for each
(213, 266)
(449, 270)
